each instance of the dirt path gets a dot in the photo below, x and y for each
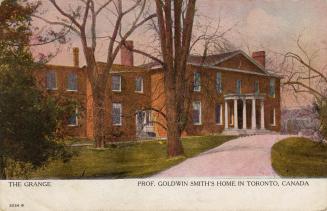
(245, 156)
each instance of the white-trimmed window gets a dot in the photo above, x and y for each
(272, 87)
(117, 114)
(116, 83)
(256, 87)
(219, 85)
(144, 118)
(238, 86)
(51, 80)
(148, 118)
(197, 82)
(273, 117)
(139, 84)
(218, 114)
(72, 82)
(197, 116)
(73, 119)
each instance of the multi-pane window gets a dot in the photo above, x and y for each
(273, 117)
(72, 82)
(256, 87)
(144, 118)
(117, 114)
(218, 114)
(197, 113)
(272, 87)
(116, 83)
(73, 119)
(148, 118)
(51, 80)
(219, 85)
(238, 86)
(139, 84)
(197, 82)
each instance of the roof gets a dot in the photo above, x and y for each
(212, 61)
(124, 68)
(199, 60)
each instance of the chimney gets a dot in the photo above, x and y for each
(127, 57)
(260, 57)
(76, 57)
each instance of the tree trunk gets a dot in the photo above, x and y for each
(99, 116)
(3, 175)
(174, 143)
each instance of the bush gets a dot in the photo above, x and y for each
(321, 108)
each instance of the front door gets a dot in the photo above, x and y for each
(144, 124)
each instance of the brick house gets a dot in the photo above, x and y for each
(232, 93)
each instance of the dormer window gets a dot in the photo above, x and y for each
(51, 80)
(116, 83)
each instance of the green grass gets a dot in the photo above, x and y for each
(125, 160)
(299, 157)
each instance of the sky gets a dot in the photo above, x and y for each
(270, 25)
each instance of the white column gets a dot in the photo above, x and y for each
(244, 114)
(235, 115)
(226, 115)
(262, 115)
(254, 118)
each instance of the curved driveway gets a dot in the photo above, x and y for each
(245, 156)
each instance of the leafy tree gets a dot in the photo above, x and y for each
(28, 119)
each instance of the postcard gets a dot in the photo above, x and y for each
(163, 105)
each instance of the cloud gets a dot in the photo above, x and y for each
(259, 22)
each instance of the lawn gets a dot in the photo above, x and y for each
(299, 157)
(126, 160)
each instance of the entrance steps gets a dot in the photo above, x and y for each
(240, 132)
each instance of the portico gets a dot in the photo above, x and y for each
(244, 114)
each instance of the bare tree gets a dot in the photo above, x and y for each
(83, 21)
(173, 31)
(175, 26)
(304, 76)
(301, 74)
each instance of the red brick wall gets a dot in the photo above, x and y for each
(158, 101)
(209, 98)
(131, 103)
(153, 96)
(80, 95)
